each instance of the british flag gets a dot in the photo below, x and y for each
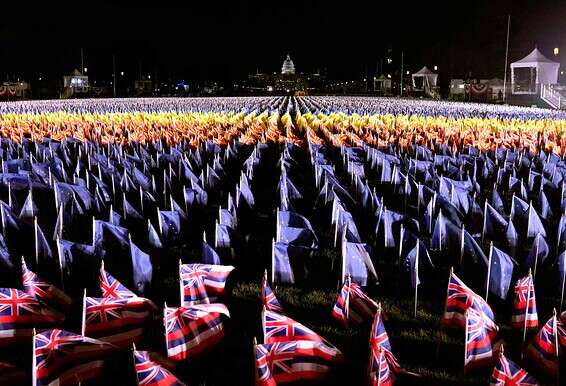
(478, 350)
(379, 339)
(268, 298)
(353, 305)
(380, 374)
(20, 313)
(112, 288)
(44, 291)
(543, 349)
(116, 321)
(149, 373)
(201, 282)
(281, 328)
(524, 306)
(190, 330)
(507, 373)
(459, 299)
(295, 361)
(63, 358)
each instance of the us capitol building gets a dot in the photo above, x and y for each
(288, 81)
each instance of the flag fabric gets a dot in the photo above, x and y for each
(202, 282)
(543, 349)
(116, 321)
(142, 268)
(281, 328)
(169, 224)
(284, 257)
(20, 313)
(538, 253)
(459, 299)
(111, 288)
(154, 240)
(501, 272)
(477, 343)
(524, 305)
(357, 263)
(191, 330)
(268, 298)
(380, 373)
(353, 306)
(507, 373)
(43, 291)
(63, 358)
(150, 373)
(209, 255)
(293, 361)
(379, 340)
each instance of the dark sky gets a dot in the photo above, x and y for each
(226, 41)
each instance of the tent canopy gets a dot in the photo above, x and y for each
(428, 77)
(542, 69)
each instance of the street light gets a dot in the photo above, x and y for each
(86, 70)
(556, 51)
(435, 68)
(149, 77)
(122, 73)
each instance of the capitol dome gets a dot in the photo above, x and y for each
(288, 67)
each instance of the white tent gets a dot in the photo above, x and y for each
(529, 73)
(424, 78)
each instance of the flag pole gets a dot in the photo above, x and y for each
(33, 359)
(506, 58)
(562, 290)
(484, 220)
(462, 247)
(488, 270)
(416, 279)
(35, 240)
(536, 257)
(181, 292)
(527, 311)
(272, 260)
(83, 320)
(465, 341)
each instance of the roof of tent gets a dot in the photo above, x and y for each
(534, 58)
(424, 71)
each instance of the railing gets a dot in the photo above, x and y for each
(551, 96)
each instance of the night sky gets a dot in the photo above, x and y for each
(225, 42)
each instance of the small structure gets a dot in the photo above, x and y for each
(534, 70)
(288, 67)
(457, 88)
(382, 84)
(76, 83)
(424, 79)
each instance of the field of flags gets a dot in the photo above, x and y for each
(281, 240)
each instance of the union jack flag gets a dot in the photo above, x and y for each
(190, 330)
(116, 321)
(543, 349)
(198, 281)
(459, 299)
(268, 298)
(293, 361)
(478, 343)
(381, 374)
(112, 288)
(20, 313)
(43, 291)
(379, 339)
(63, 358)
(524, 306)
(353, 305)
(280, 328)
(507, 373)
(150, 373)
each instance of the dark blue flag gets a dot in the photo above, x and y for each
(501, 272)
(141, 267)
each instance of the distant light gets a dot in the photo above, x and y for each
(389, 76)
(389, 60)
(122, 73)
(149, 77)
(39, 78)
(435, 68)
(407, 72)
(365, 80)
(86, 70)
(561, 72)
(269, 88)
(556, 51)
